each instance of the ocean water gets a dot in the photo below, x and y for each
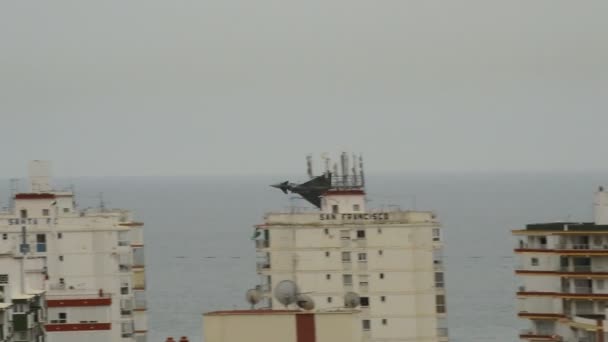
(199, 256)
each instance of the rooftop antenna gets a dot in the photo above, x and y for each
(361, 170)
(344, 161)
(102, 204)
(327, 161)
(351, 300)
(354, 170)
(14, 190)
(335, 169)
(309, 165)
(253, 296)
(286, 292)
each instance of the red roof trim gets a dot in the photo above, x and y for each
(34, 196)
(78, 327)
(79, 302)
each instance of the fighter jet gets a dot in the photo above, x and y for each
(310, 191)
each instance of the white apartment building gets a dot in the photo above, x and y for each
(392, 259)
(89, 263)
(563, 272)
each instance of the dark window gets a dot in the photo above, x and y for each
(356, 207)
(326, 231)
(66, 210)
(59, 235)
(40, 238)
(61, 258)
(383, 299)
(381, 275)
(380, 252)
(23, 213)
(45, 212)
(361, 234)
(366, 324)
(364, 302)
(384, 321)
(327, 254)
(329, 299)
(328, 276)
(63, 317)
(334, 208)
(4, 236)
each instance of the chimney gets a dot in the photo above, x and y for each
(170, 339)
(183, 339)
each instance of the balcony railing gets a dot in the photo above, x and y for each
(262, 244)
(581, 246)
(548, 334)
(262, 266)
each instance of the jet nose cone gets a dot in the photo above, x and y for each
(282, 186)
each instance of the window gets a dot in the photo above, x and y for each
(356, 207)
(366, 325)
(327, 254)
(40, 243)
(328, 276)
(23, 213)
(345, 256)
(439, 279)
(347, 279)
(45, 212)
(599, 284)
(326, 231)
(59, 235)
(334, 209)
(345, 234)
(61, 281)
(61, 258)
(124, 288)
(362, 257)
(436, 234)
(3, 278)
(63, 317)
(360, 234)
(384, 321)
(329, 299)
(5, 236)
(534, 261)
(380, 252)
(440, 303)
(66, 210)
(364, 301)
(379, 230)
(383, 299)
(381, 275)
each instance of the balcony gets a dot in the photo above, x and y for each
(539, 336)
(262, 266)
(261, 244)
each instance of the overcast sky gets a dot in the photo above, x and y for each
(207, 87)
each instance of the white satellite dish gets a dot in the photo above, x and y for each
(253, 296)
(286, 292)
(305, 302)
(351, 300)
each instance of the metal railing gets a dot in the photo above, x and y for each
(262, 243)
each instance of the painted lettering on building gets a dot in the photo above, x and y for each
(355, 217)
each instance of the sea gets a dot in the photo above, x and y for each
(200, 257)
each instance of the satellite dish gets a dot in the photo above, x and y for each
(305, 302)
(351, 300)
(286, 292)
(253, 296)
